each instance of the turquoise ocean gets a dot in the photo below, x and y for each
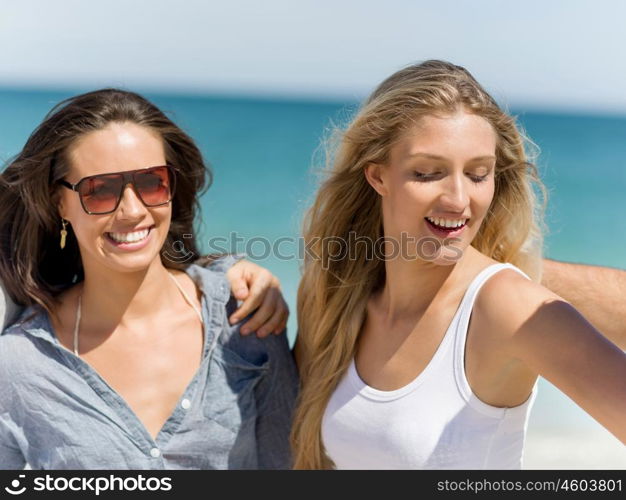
(266, 154)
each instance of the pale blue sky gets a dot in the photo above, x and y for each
(556, 54)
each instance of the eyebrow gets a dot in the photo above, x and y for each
(437, 157)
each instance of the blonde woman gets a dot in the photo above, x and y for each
(421, 348)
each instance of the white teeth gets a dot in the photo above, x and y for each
(447, 223)
(130, 237)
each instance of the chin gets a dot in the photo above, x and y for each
(132, 261)
(442, 252)
(133, 265)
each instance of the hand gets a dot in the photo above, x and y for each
(258, 289)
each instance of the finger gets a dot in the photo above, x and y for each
(285, 316)
(239, 288)
(237, 278)
(257, 293)
(262, 314)
(271, 325)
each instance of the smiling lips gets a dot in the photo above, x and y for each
(447, 224)
(130, 237)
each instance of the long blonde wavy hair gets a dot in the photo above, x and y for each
(333, 293)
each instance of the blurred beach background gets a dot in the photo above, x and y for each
(259, 88)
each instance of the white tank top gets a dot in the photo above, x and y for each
(435, 421)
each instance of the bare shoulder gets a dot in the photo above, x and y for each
(508, 300)
(187, 283)
(547, 336)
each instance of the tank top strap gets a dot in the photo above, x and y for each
(186, 297)
(465, 312)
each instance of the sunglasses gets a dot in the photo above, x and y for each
(101, 194)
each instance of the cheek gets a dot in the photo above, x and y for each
(486, 197)
(87, 228)
(163, 217)
(83, 224)
(404, 209)
(411, 198)
(482, 200)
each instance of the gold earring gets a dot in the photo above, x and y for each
(63, 233)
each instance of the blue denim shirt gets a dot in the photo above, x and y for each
(56, 412)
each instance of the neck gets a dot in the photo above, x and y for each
(412, 285)
(111, 298)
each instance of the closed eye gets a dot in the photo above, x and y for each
(478, 178)
(422, 177)
(426, 177)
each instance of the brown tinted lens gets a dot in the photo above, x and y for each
(100, 194)
(154, 185)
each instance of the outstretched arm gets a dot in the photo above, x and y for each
(552, 339)
(599, 293)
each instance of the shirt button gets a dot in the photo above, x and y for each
(155, 453)
(185, 403)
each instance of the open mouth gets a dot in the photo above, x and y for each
(446, 225)
(131, 237)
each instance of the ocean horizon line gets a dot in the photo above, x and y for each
(291, 96)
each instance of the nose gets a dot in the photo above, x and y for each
(455, 197)
(130, 206)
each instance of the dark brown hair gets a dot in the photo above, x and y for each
(33, 268)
